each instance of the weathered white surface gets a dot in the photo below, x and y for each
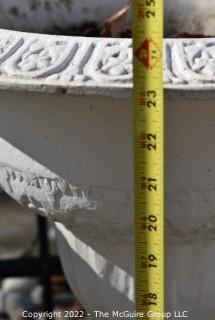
(84, 139)
(53, 194)
(23, 182)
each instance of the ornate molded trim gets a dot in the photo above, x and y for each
(55, 198)
(189, 62)
(80, 65)
(68, 64)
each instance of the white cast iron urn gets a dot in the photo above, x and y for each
(66, 148)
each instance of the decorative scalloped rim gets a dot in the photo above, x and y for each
(178, 74)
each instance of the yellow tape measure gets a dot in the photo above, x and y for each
(147, 16)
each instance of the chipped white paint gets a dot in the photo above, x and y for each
(87, 190)
(54, 196)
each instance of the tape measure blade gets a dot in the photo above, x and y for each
(147, 16)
